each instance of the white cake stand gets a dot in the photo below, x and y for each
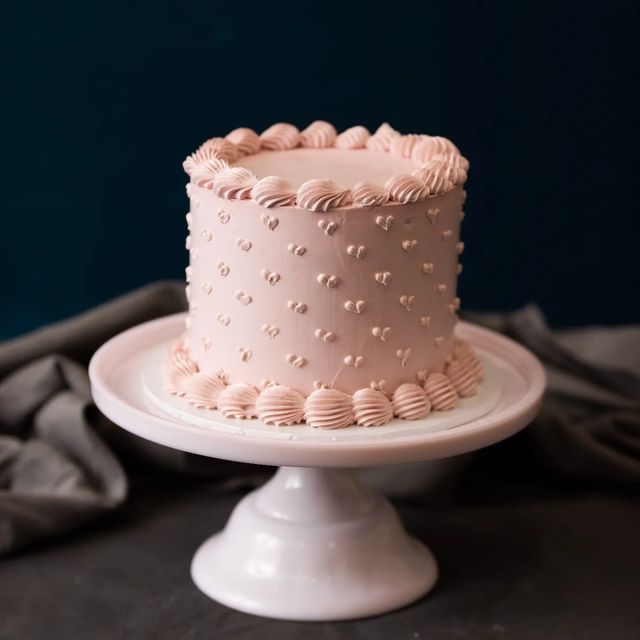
(313, 543)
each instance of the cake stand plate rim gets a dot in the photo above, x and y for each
(515, 410)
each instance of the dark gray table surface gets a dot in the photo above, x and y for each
(556, 567)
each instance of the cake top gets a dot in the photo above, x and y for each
(317, 169)
(345, 167)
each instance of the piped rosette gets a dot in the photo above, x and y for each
(318, 135)
(202, 390)
(328, 409)
(365, 194)
(280, 406)
(410, 402)
(353, 138)
(380, 141)
(371, 408)
(234, 183)
(441, 393)
(214, 148)
(429, 147)
(246, 140)
(238, 401)
(273, 191)
(204, 174)
(178, 370)
(403, 146)
(406, 188)
(322, 195)
(279, 137)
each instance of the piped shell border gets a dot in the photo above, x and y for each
(409, 401)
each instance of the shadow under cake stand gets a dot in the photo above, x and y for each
(313, 543)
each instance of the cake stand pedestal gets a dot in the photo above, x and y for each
(313, 543)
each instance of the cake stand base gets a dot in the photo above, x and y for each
(314, 544)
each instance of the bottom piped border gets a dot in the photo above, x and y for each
(324, 408)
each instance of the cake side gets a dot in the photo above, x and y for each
(341, 299)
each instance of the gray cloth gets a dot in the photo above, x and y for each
(61, 461)
(56, 472)
(589, 424)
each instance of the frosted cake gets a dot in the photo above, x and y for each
(322, 277)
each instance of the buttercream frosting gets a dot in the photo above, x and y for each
(328, 409)
(238, 401)
(371, 408)
(440, 165)
(448, 167)
(410, 402)
(403, 145)
(273, 191)
(345, 273)
(217, 148)
(178, 369)
(440, 391)
(280, 136)
(429, 146)
(318, 135)
(234, 183)
(325, 407)
(380, 141)
(205, 173)
(322, 195)
(246, 140)
(280, 406)
(346, 167)
(366, 194)
(462, 377)
(464, 353)
(436, 182)
(203, 389)
(213, 148)
(406, 188)
(353, 138)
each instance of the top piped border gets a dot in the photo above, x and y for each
(441, 167)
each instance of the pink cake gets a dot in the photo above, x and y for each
(322, 277)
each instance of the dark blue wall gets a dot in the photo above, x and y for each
(102, 101)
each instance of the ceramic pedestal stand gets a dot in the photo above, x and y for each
(313, 543)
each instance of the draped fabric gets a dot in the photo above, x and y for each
(62, 463)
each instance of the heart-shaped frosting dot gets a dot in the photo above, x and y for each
(354, 361)
(427, 267)
(384, 222)
(433, 214)
(355, 307)
(325, 336)
(357, 251)
(243, 298)
(382, 333)
(409, 245)
(296, 361)
(406, 301)
(327, 226)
